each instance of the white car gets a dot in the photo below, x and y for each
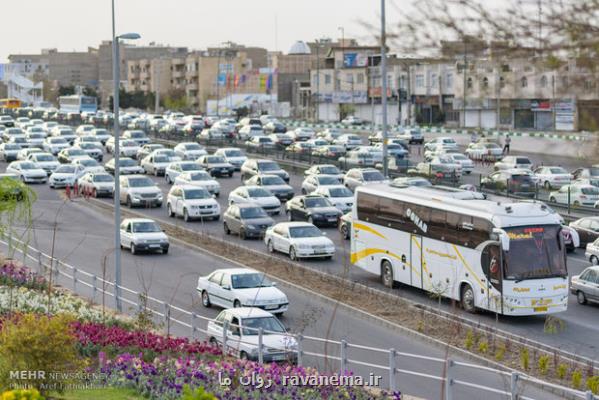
(139, 137)
(190, 151)
(552, 177)
(174, 169)
(243, 335)
(13, 132)
(302, 134)
(233, 156)
(393, 149)
(313, 182)
(55, 145)
(9, 151)
(249, 131)
(466, 163)
(340, 196)
(510, 162)
(348, 140)
(23, 154)
(101, 134)
(127, 166)
(147, 149)
(274, 183)
(155, 164)
(199, 179)
(192, 202)
(441, 166)
(362, 176)
(298, 240)
(141, 234)
(45, 161)
(36, 138)
(139, 191)
(446, 142)
(330, 134)
(90, 140)
(64, 132)
(260, 142)
(89, 165)
(128, 148)
(27, 171)
(241, 287)
(580, 195)
(256, 194)
(97, 184)
(83, 130)
(91, 149)
(65, 175)
(324, 169)
(439, 150)
(484, 151)
(212, 133)
(352, 120)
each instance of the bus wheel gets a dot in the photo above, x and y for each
(467, 299)
(387, 274)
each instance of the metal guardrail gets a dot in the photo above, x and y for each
(164, 311)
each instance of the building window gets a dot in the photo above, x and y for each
(565, 82)
(501, 82)
(327, 79)
(589, 84)
(360, 78)
(524, 82)
(469, 83)
(419, 81)
(543, 81)
(449, 80)
(485, 82)
(433, 79)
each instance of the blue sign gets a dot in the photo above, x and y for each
(350, 59)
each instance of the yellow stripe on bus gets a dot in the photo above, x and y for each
(366, 228)
(469, 269)
(355, 257)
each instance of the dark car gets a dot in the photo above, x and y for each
(315, 209)
(246, 219)
(518, 184)
(587, 229)
(274, 127)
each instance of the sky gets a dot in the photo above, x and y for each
(68, 25)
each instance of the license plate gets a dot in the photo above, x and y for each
(540, 309)
(205, 212)
(154, 245)
(279, 357)
(332, 219)
(272, 307)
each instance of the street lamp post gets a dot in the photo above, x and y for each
(116, 72)
(384, 88)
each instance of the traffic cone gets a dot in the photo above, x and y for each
(67, 191)
(76, 190)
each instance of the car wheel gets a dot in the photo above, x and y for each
(344, 231)
(242, 235)
(270, 247)
(226, 228)
(165, 250)
(289, 217)
(155, 172)
(186, 215)
(552, 199)
(594, 260)
(205, 299)
(304, 191)
(129, 203)
(169, 211)
(236, 304)
(244, 356)
(467, 299)
(293, 254)
(581, 298)
(230, 174)
(576, 203)
(547, 185)
(387, 274)
(310, 220)
(133, 249)
(213, 341)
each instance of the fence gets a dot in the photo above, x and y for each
(295, 351)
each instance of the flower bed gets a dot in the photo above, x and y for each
(165, 378)
(12, 274)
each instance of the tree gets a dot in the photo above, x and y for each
(90, 91)
(176, 100)
(66, 90)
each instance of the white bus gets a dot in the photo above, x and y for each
(508, 258)
(78, 104)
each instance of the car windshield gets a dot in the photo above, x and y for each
(146, 227)
(65, 169)
(373, 176)
(330, 170)
(167, 153)
(200, 176)
(590, 190)
(103, 178)
(519, 179)
(28, 165)
(161, 159)
(268, 166)
(196, 194)
(10, 146)
(128, 143)
(77, 152)
(137, 135)
(36, 135)
(272, 180)
(141, 182)
(259, 192)
(127, 162)
(492, 145)
(248, 281)
(535, 252)
(558, 170)
(100, 132)
(193, 146)
(317, 202)
(87, 146)
(89, 163)
(521, 160)
(340, 192)
(459, 157)
(215, 159)
(58, 141)
(304, 232)
(594, 171)
(268, 325)
(233, 153)
(44, 157)
(190, 167)
(253, 212)
(66, 132)
(328, 180)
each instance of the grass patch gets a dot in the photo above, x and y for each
(100, 394)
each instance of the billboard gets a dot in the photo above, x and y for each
(353, 60)
(344, 97)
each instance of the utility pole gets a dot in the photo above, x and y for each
(157, 85)
(218, 84)
(384, 88)
(117, 201)
(317, 80)
(465, 80)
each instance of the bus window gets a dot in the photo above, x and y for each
(391, 213)
(490, 258)
(367, 207)
(437, 228)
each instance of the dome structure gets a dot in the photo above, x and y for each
(300, 47)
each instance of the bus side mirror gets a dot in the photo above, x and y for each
(503, 237)
(573, 234)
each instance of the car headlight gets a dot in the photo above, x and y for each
(316, 216)
(252, 227)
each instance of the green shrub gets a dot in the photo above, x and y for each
(593, 384)
(21, 394)
(469, 339)
(576, 379)
(198, 394)
(500, 351)
(524, 358)
(38, 343)
(483, 347)
(562, 370)
(543, 364)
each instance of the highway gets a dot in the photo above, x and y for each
(84, 237)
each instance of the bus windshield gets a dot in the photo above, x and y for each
(536, 252)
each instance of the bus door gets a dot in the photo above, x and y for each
(491, 261)
(417, 271)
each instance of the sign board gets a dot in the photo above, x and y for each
(540, 105)
(564, 115)
(376, 92)
(352, 60)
